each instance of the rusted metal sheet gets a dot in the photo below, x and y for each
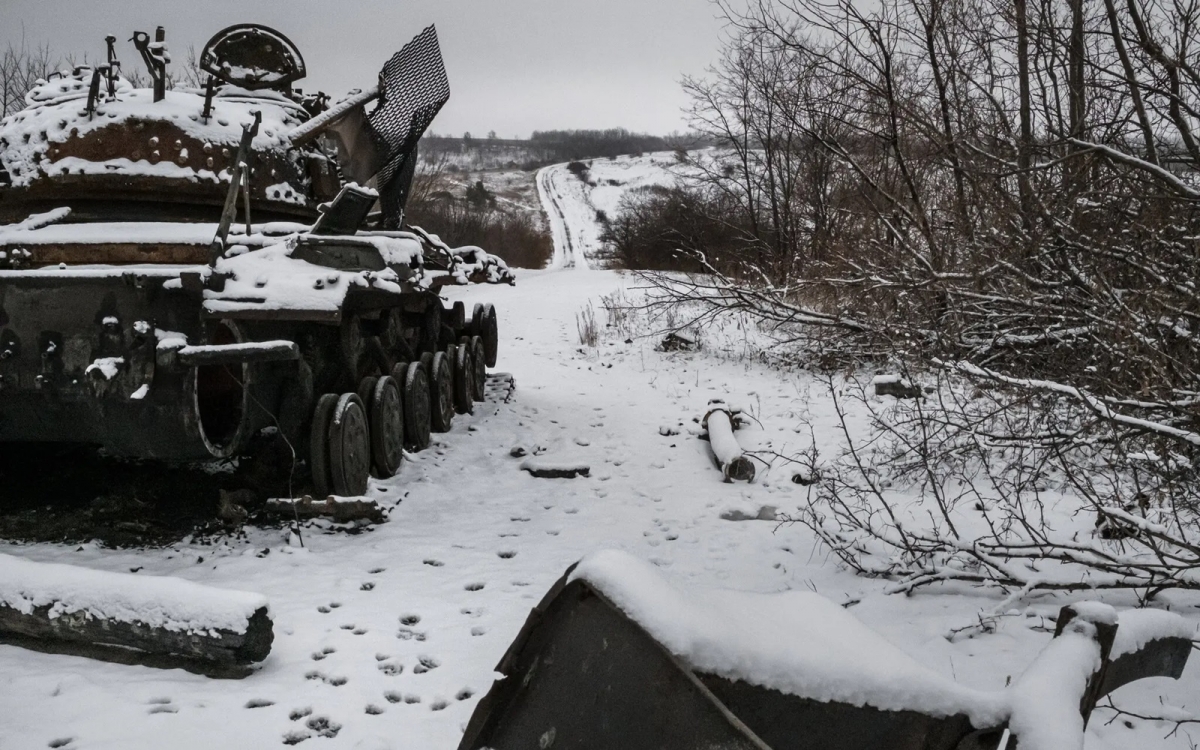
(114, 254)
(581, 674)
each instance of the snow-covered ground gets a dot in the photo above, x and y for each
(387, 639)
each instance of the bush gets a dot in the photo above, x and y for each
(666, 229)
(579, 169)
(511, 234)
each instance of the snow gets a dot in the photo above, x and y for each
(796, 642)
(1140, 626)
(58, 114)
(156, 601)
(150, 232)
(271, 278)
(719, 424)
(413, 615)
(574, 206)
(108, 367)
(1046, 697)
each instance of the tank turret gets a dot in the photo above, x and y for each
(93, 141)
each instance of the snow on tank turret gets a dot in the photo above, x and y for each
(93, 142)
(140, 314)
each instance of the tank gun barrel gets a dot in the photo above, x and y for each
(309, 130)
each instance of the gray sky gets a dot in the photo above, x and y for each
(515, 65)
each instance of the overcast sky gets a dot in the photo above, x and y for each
(515, 65)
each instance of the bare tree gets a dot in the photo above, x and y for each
(1005, 192)
(20, 69)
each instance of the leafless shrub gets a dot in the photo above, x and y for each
(960, 486)
(585, 323)
(1004, 192)
(439, 205)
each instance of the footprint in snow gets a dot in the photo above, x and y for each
(259, 703)
(335, 681)
(472, 611)
(391, 668)
(323, 726)
(478, 630)
(474, 586)
(438, 705)
(297, 714)
(373, 710)
(319, 655)
(426, 664)
(61, 742)
(435, 563)
(506, 555)
(464, 694)
(367, 586)
(409, 619)
(376, 571)
(295, 736)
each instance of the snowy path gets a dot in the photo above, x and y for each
(574, 205)
(572, 227)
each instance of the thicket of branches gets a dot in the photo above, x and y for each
(1003, 189)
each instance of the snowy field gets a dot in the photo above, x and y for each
(387, 639)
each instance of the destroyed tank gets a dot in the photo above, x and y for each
(140, 315)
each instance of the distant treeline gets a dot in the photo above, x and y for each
(568, 145)
(554, 146)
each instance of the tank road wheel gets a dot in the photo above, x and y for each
(485, 325)
(386, 419)
(458, 316)
(464, 373)
(441, 393)
(349, 447)
(352, 348)
(318, 444)
(416, 407)
(391, 334)
(427, 363)
(366, 389)
(478, 369)
(431, 325)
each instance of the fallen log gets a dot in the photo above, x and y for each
(895, 385)
(550, 469)
(132, 619)
(720, 425)
(336, 509)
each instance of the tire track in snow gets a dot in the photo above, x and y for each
(566, 252)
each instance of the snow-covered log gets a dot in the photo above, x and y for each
(340, 510)
(157, 620)
(719, 423)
